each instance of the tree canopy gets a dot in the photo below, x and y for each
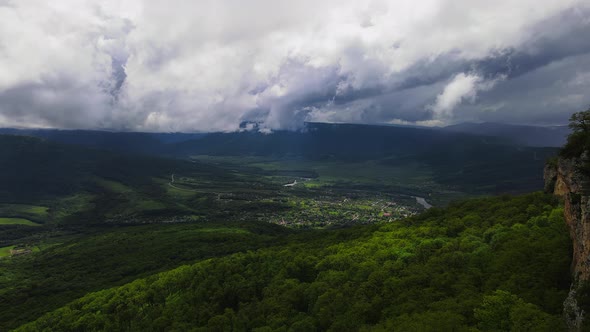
(488, 264)
(579, 140)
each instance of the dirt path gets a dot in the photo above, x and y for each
(171, 184)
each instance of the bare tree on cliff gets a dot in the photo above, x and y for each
(579, 140)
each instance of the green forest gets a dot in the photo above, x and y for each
(486, 264)
(99, 240)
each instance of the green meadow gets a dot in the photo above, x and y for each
(17, 221)
(5, 251)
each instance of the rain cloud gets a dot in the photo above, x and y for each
(215, 65)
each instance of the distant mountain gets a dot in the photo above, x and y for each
(142, 143)
(329, 141)
(554, 136)
(476, 162)
(33, 169)
(499, 158)
(315, 140)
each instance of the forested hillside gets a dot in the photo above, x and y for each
(485, 264)
(74, 261)
(34, 169)
(51, 183)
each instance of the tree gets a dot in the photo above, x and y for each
(579, 140)
(494, 312)
(503, 311)
(580, 122)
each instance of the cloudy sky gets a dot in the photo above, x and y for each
(175, 65)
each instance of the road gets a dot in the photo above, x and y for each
(171, 184)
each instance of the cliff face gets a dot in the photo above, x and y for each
(564, 179)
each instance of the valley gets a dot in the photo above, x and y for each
(93, 220)
(294, 166)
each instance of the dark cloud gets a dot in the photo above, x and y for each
(542, 96)
(547, 95)
(553, 39)
(182, 65)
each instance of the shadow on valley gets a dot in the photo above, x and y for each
(323, 229)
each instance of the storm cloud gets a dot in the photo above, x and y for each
(214, 65)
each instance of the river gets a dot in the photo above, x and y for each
(423, 202)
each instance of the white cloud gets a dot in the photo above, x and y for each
(463, 87)
(209, 65)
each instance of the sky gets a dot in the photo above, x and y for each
(222, 65)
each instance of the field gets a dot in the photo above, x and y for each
(5, 251)
(17, 221)
(411, 179)
(37, 214)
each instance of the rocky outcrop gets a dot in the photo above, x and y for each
(564, 179)
(550, 176)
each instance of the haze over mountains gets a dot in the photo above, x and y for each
(371, 137)
(554, 136)
(459, 156)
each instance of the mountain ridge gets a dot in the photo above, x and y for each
(162, 142)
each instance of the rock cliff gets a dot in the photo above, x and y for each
(565, 179)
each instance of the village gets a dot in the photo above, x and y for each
(341, 211)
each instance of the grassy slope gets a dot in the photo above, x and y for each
(17, 221)
(37, 214)
(50, 183)
(5, 251)
(495, 264)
